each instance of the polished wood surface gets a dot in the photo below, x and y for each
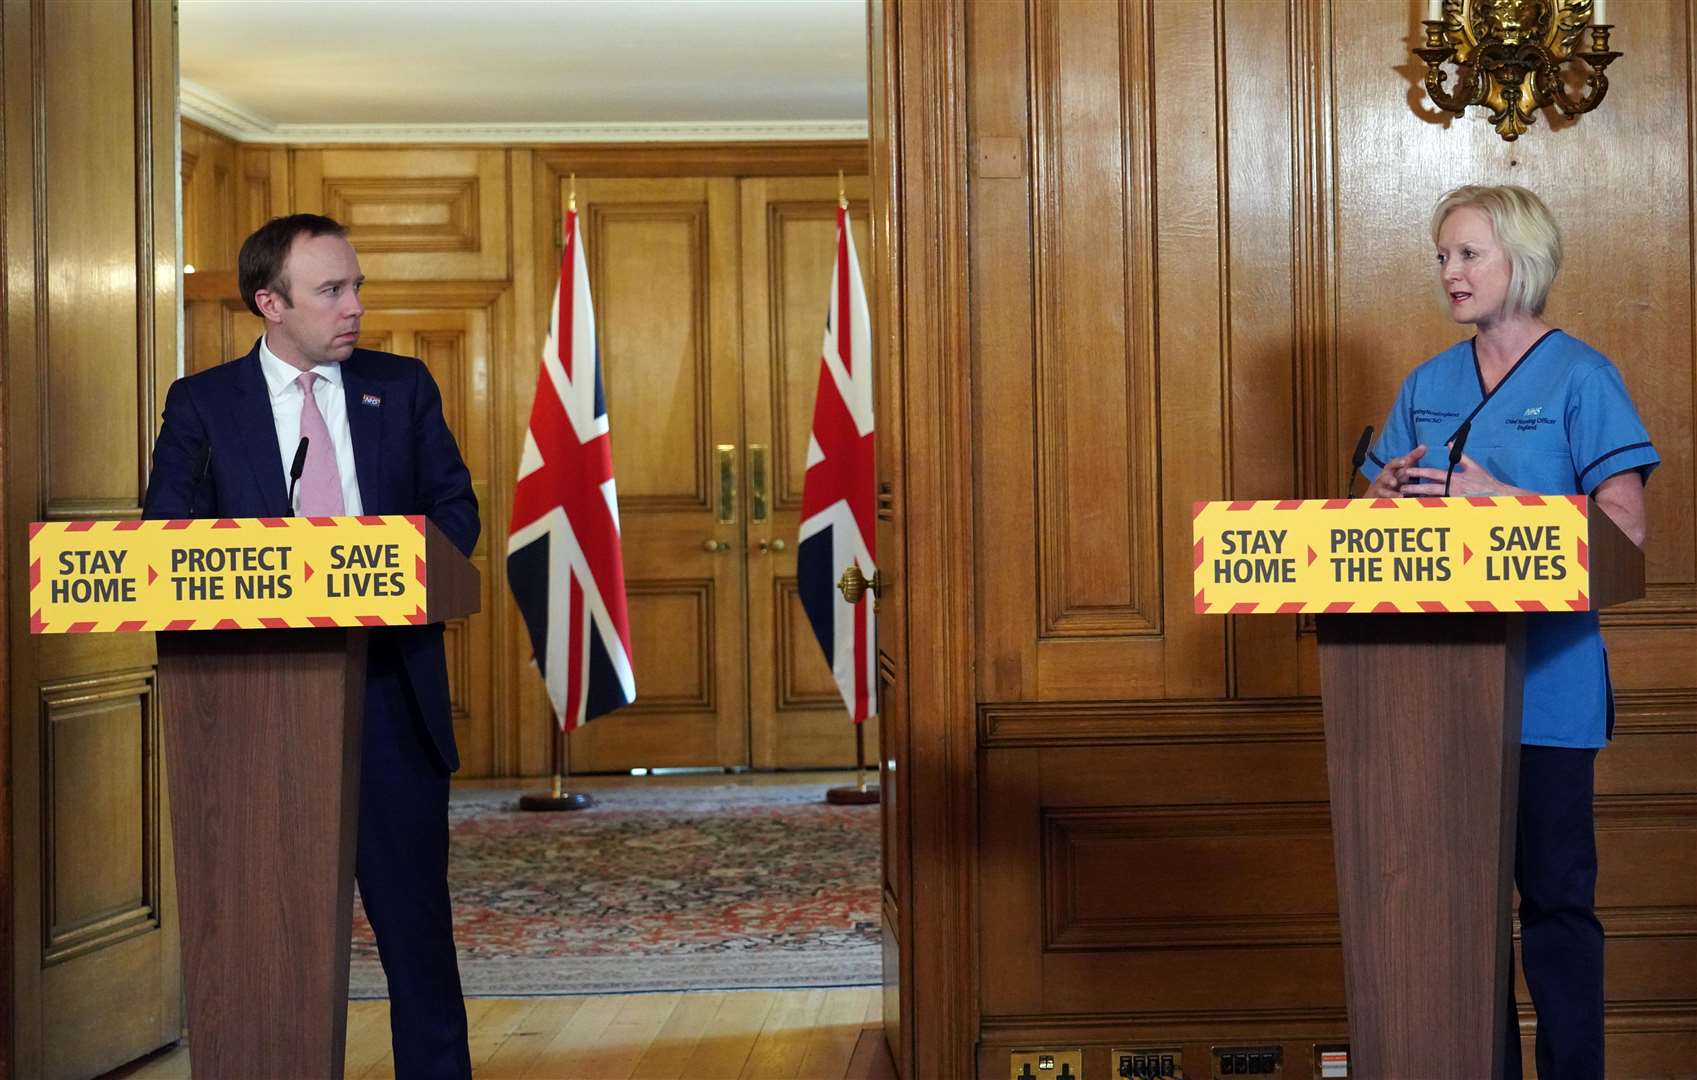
(255, 720)
(88, 336)
(1424, 785)
(1161, 252)
(712, 1035)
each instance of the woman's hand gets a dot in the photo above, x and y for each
(1388, 484)
(1470, 478)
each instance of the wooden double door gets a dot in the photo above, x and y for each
(710, 302)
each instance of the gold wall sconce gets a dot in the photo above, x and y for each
(1510, 57)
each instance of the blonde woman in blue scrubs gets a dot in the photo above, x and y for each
(1550, 416)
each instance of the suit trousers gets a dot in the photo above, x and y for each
(1561, 941)
(402, 869)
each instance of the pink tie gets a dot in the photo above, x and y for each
(321, 481)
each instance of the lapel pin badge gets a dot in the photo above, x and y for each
(370, 399)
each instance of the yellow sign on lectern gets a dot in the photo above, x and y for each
(226, 574)
(1476, 554)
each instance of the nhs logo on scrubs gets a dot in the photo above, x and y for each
(1529, 420)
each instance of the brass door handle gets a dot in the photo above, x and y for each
(713, 547)
(772, 546)
(727, 483)
(855, 585)
(758, 510)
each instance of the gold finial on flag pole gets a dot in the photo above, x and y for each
(842, 192)
(571, 194)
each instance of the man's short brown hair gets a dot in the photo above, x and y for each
(260, 264)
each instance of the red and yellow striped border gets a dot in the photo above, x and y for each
(300, 535)
(1465, 515)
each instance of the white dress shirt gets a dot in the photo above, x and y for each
(286, 401)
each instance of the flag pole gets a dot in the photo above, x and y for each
(558, 798)
(862, 794)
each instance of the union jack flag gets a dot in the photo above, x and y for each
(563, 558)
(838, 496)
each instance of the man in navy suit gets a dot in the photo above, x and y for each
(378, 444)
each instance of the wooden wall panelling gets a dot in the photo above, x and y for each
(413, 213)
(212, 182)
(229, 190)
(263, 191)
(796, 714)
(1075, 434)
(451, 327)
(216, 329)
(89, 333)
(1276, 301)
(524, 739)
(1141, 879)
(1291, 270)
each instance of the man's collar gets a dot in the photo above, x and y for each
(279, 375)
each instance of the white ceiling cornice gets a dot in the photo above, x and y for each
(212, 110)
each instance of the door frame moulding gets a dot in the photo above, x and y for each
(920, 215)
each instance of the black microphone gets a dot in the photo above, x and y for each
(1456, 443)
(1356, 461)
(295, 472)
(200, 472)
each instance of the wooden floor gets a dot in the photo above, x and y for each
(707, 1035)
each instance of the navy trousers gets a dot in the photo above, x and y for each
(402, 869)
(1561, 941)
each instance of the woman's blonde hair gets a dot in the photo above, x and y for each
(1526, 230)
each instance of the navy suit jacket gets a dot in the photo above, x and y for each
(404, 454)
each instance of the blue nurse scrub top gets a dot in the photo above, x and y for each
(1559, 423)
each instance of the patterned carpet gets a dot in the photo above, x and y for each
(724, 887)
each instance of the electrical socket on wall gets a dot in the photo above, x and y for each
(1263, 1061)
(1147, 1063)
(1046, 1064)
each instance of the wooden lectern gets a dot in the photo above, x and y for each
(1421, 691)
(262, 740)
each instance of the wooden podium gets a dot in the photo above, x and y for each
(1421, 690)
(263, 705)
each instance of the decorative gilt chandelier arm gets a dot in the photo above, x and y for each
(1468, 88)
(1555, 90)
(1552, 86)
